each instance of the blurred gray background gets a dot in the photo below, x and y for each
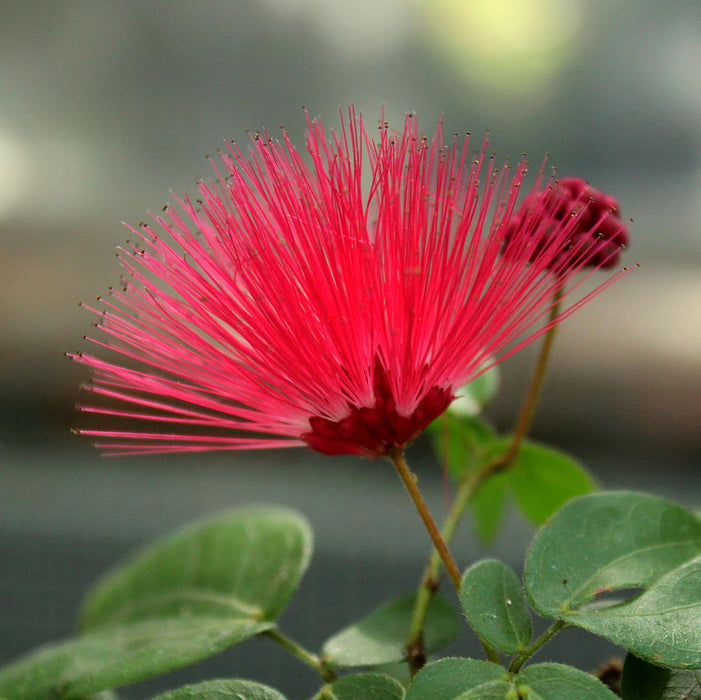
(105, 107)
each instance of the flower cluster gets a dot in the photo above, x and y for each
(596, 232)
(338, 300)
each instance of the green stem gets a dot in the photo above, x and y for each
(396, 455)
(317, 663)
(525, 416)
(469, 486)
(415, 647)
(549, 633)
(429, 582)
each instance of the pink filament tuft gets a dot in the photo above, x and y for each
(338, 303)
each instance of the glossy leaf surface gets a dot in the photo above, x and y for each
(468, 679)
(244, 564)
(120, 655)
(364, 686)
(661, 625)
(381, 637)
(551, 681)
(233, 689)
(460, 679)
(603, 542)
(495, 606)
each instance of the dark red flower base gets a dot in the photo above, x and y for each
(373, 431)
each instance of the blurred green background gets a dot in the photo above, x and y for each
(105, 107)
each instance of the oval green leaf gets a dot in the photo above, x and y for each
(645, 681)
(661, 625)
(460, 679)
(381, 637)
(495, 606)
(464, 442)
(488, 506)
(552, 681)
(364, 686)
(606, 541)
(544, 479)
(120, 655)
(232, 689)
(244, 564)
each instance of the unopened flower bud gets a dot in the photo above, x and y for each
(571, 224)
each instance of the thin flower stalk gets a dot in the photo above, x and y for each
(327, 674)
(525, 417)
(430, 580)
(409, 480)
(564, 200)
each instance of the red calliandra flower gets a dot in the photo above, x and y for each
(596, 231)
(337, 302)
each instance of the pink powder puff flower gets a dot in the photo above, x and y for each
(596, 224)
(337, 302)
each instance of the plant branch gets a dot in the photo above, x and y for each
(396, 455)
(518, 661)
(525, 416)
(471, 482)
(317, 663)
(429, 582)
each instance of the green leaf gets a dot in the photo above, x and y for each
(541, 479)
(381, 637)
(551, 681)
(399, 670)
(364, 686)
(244, 564)
(495, 607)
(544, 479)
(644, 681)
(488, 506)
(467, 679)
(121, 655)
(473, 397)
(662, 625)
(460, 679)
(603, 542)
(466, 443)
(221, 690)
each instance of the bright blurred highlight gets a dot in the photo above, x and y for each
(507, 45)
